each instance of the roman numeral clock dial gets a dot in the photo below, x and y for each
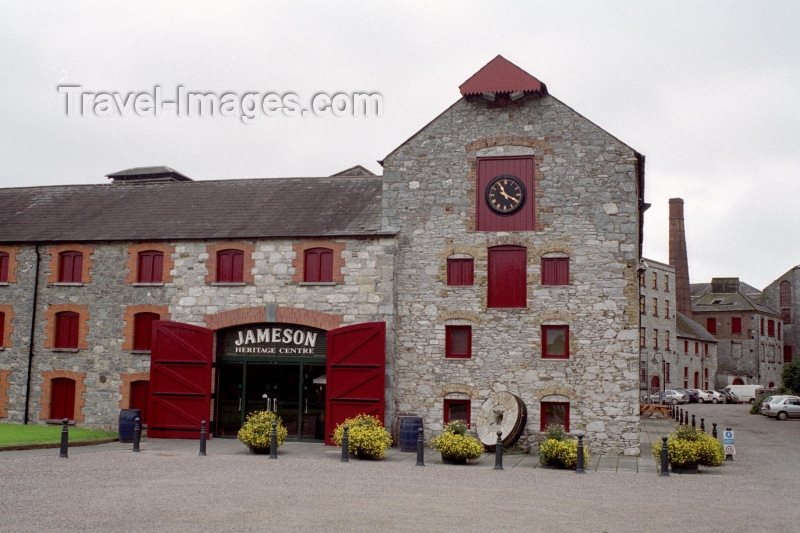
(505, 194)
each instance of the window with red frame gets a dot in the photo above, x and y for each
(318, 265)
(787, 353)
(771, 328)
(554, 413)
(762, 326)
(460, 271)
(457, 409)
(667, 379)
(3, 267)
(143, 330)
(507, 277)
(555, 342)
(458, 342)
(697, 348)
(69, 267)
(555, 271)
(66, 330)
(736, 324)
(705, 348)
(786, 294)
(779, 331)
(62, 399)
(2, 328)
(685, 377)
(230, 266)
(150, 267)
(697, 380)
(786, 315)
(685, 346)
(711, 325)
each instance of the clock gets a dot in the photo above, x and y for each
(505, 194)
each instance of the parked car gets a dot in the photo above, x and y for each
(772, 399)
(730, 397)
(782, 407)
(693, 397)
(746, 393)
(671, 396)
(717, 397)
(702, 396)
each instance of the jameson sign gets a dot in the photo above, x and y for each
(274, 339)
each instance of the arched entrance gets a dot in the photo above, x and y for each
(655, 385)
(737, 381)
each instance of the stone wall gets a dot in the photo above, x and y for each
(586, 207)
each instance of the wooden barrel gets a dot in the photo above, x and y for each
(127, 421)
(408, 429)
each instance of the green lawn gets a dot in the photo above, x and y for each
(19, 434)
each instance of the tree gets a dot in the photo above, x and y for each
(790, 376)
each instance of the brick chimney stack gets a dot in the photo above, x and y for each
(678, 257)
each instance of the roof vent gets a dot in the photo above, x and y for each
(147, 175)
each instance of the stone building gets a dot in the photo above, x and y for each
(490, 275)
(784, 294)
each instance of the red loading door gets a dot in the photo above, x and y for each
(355, 373)
(180, 380)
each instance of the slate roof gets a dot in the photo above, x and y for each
(686, 327)
(168, 210)
(718, 302)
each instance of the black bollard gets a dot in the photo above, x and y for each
(345, 445)
(64, 439)
(202, 438)
(693, 421)
(137, 433)
(675, 412)
(714, 430)
(273, 441)
(420, 447)
(703, 425)
(664, 458)
(498, 452)
(579, 464)
(680, 417)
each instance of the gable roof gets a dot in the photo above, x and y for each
(688, 328)
(501, 76)
(162, 210)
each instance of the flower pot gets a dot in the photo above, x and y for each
(453, 460)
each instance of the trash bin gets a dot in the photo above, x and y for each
(408, 430)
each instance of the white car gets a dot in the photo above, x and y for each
(702, 396)
(717, 397)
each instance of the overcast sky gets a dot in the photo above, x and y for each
(707, 91)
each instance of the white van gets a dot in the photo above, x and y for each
(746, 393)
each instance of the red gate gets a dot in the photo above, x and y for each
(355, 373)
(180, 380)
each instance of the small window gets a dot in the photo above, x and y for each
(62, 399)
(457, 409)
(642, 337)
(555, 413)
(786, 315)
(655, 339)
(771, 328)
(507, 277)
(230, 266)
(318, 267)
(150, 267)
(779, 331)
(555, 342)
(786, 294)
(697, 348)
(641, 278)
(69, 267)
(685, 346)
(666, 308)
(66, 330)
(705, 348)
(762, 327)
(711, 325)
(458, 342)
(655, 280)
(666, 283)
(655, 306)
(460, 271)
(3, 267)
(2, 328)
(555, 271)
(667, 379)
(143, 330)
(642, 305)
(666, 340)
(787, 353)
(736, 324)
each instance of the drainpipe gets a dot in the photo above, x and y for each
(32, 335)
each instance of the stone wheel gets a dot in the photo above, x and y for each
(504, 412)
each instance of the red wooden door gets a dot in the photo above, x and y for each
(139, 397)
(180, 380)
(62, 399)
(355, 374)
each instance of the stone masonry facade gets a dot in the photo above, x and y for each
(586, 208)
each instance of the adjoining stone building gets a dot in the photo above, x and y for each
(495, 259)
(783, 294)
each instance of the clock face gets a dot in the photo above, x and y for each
(505, 194)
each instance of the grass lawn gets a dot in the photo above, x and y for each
(20, 434)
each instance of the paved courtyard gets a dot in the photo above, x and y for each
(169, 487)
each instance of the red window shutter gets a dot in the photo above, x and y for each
(736, 325)
(555, 271)
(507, 277)
(69, 267)
(66, 330)
(711, 325)
(2, 327)
(771, 328)
(555, 342)
(230, 266)
(458, 342)
(3, 267)
(151, 266)
(143, 330)
(318, 265)
(62, 399)
(787, 353)
(457, 409)
(460, 272)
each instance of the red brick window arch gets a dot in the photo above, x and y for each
(318, 265)
(300, 262)
(230, 262)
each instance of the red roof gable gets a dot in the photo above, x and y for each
(501, 76)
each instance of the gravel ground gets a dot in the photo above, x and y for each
(168, 487)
